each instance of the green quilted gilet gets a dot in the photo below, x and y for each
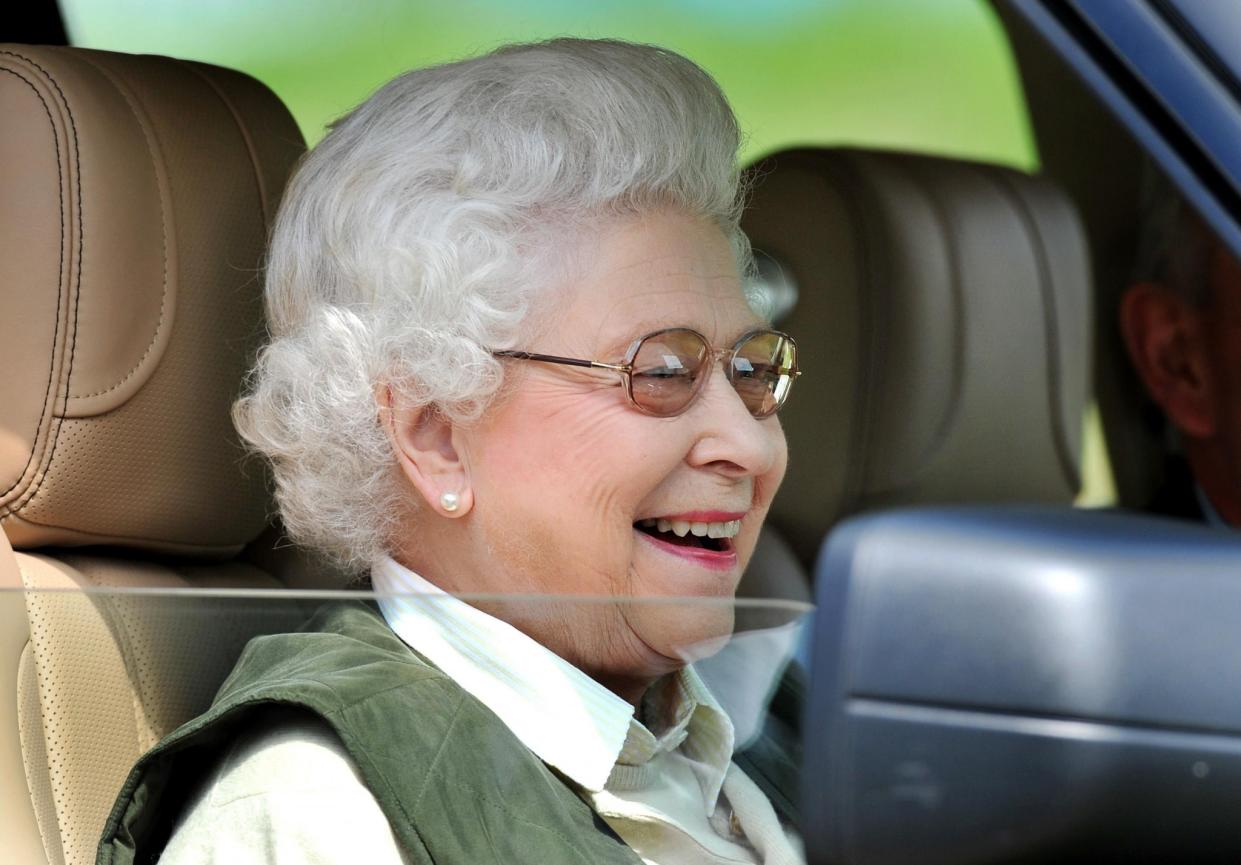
(457, 786)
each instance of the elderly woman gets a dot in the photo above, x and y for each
(511, 353)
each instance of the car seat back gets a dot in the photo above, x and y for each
(943, 321)
(138, 193)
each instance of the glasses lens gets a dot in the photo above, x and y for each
(668, 369)
(762, 371)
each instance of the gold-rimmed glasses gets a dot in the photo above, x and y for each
(664, 371)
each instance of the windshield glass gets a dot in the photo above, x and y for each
(697, 726)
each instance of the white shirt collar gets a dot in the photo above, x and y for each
(566, 718)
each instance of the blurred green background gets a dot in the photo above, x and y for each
(933, 76)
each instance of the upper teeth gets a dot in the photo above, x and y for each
(702, 530)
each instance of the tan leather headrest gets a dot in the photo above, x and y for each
(943, 323)
(136, 197)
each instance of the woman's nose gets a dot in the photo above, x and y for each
(732, 440)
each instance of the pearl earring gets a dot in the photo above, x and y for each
(449, 502)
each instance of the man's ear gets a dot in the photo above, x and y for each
(1164, 336)
(428, 451)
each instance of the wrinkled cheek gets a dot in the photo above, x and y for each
(523, 555)
(568, 552)
(601, 475)
(780, 465)
(567, 446)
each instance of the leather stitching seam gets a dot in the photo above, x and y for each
(1051, 334)
(73, 347)
(44, 832)
(245, 137)
(29, 770)
(60, 281)
(110, 538)
(147, 135)
(952, 238)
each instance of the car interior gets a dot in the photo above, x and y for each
(955, 319)
(132, 325)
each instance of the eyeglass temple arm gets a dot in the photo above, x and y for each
(568, 361)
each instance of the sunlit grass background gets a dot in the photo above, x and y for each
(933, 76)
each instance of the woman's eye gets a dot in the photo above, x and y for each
(749, 369)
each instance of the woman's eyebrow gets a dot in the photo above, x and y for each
(614, 350)
(616, 346)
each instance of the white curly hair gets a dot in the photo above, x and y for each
(418, 236)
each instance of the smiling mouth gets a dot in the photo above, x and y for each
(710, 537)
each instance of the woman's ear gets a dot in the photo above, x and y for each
(428, 451)
(1166, 344)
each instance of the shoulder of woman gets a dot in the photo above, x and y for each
(287, 791)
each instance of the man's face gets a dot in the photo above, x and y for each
(1189, 358)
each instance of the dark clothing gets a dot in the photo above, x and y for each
(1177, 496)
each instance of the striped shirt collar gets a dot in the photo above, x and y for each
(566, 718)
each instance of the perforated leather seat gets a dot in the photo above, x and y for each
(943, 323)
(137, 196)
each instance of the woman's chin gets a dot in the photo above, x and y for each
(685, 632)
(685, 603)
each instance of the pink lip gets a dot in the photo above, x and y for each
(703, 516)
(716, 561)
